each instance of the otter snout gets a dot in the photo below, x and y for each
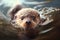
(28, 22)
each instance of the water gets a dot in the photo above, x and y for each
(52, 3)
(5, 5)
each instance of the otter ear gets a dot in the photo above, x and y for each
(14, 10)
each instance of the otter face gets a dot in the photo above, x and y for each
(27, 18)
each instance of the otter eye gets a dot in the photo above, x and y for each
(38, 15)
(22, 18)
(33, 17)
(15, 17)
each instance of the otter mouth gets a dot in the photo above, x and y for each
(30, 32)
(28, 28)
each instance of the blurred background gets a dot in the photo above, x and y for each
(6, 4)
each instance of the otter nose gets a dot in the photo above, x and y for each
(28, 22)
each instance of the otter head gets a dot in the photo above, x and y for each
(25, 18)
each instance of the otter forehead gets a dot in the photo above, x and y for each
(27, 11)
